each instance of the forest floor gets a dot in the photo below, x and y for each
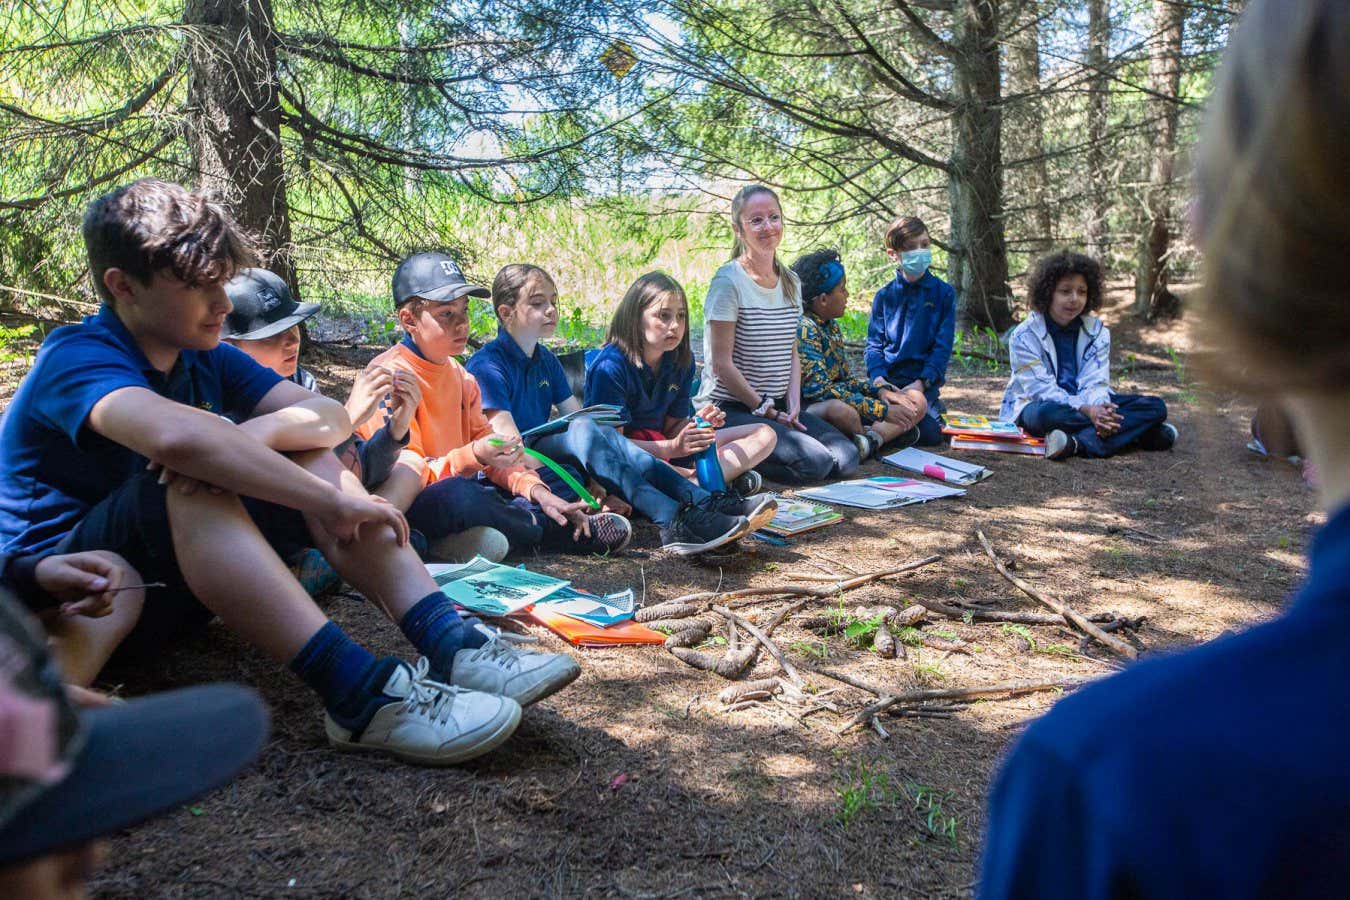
(638, 782)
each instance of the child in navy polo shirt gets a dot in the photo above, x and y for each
(123, 438)
(913, 324)
(646, 368)
(521, 381)
(1061, 370)
(1224, 771)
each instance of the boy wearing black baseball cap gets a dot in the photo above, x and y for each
(265, 324)
(452, 441)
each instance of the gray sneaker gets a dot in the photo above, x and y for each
(463, 546)
(430, 723)
(500, 667)
(1060, 445)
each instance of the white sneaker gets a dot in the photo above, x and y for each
(429, 723)
(498, 667)
(463, 546)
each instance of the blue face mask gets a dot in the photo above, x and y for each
(916, 262)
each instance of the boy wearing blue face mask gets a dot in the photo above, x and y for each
(913, 323)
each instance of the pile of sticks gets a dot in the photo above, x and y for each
(692, 619)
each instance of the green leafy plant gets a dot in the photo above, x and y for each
(9, 336)
(859, 790)
(928, 802)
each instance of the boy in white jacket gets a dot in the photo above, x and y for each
(1060, 384)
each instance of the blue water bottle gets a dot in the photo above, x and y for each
(707, 464)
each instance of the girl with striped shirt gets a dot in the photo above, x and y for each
(750, 348)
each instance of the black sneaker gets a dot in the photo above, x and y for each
(1159, 437)
(697, 529)
(908, 439)
(747, 483)
(1060, 445)
(759, 510)
(610, 533)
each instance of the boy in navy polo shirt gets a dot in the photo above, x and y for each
(913, 325)
(119, 440)
(521, 381)
(1224, 771)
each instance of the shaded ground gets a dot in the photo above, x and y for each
(753, 802)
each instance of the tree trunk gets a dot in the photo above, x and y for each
(234, 128)
(1151, 295)
(1026, 130)
(1099, 40)
(979, 256)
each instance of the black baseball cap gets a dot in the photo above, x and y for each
(432, 276)
(68, 777)
(263, 306)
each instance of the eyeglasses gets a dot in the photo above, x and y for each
(759, 223)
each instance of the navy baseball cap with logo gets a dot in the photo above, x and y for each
(70, 776)
(435, 277)
(263, 306)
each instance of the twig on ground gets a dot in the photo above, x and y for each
(1070, 615)
(1011, 688)
(761, 689)
(788, 668)
(1017, 617)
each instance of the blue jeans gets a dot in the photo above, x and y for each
(820, 452)
(452, 505)
(654, 489)
(930, 431)
(1139, 415)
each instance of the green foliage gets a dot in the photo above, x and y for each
(9, 337)
(861, 790)
(861, 631)
(815, 649)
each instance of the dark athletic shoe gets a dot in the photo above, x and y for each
(698, 530)
(610, 533)
(1060, 445)
(1160, 437)
(747, 483)
(908, 439)
(759, 510)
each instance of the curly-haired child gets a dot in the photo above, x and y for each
(1060, 387)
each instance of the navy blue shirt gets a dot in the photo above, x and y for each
(911, 331)
(1223, 771)
(528, 387)
(55, 467)
(1065, 338)
(647, 397)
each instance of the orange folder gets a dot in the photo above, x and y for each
(584, 634)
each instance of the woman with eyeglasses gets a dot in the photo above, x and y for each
(751, 369)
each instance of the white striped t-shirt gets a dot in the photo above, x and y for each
(766, 332)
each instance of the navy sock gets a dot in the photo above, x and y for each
(438, 632)
(335, 666)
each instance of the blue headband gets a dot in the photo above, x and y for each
(830, 274)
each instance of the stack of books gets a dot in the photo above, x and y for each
(797, 517)
(982, 433)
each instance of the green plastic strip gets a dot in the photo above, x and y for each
(566, 476)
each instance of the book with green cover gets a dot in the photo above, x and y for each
(798, 516)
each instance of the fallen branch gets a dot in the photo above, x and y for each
(831, 589)
(1016, 617)
(1070, 615)
(1011, 689)
(788, 668)
(761, 689)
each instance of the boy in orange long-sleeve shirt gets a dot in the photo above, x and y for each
(451, 442)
